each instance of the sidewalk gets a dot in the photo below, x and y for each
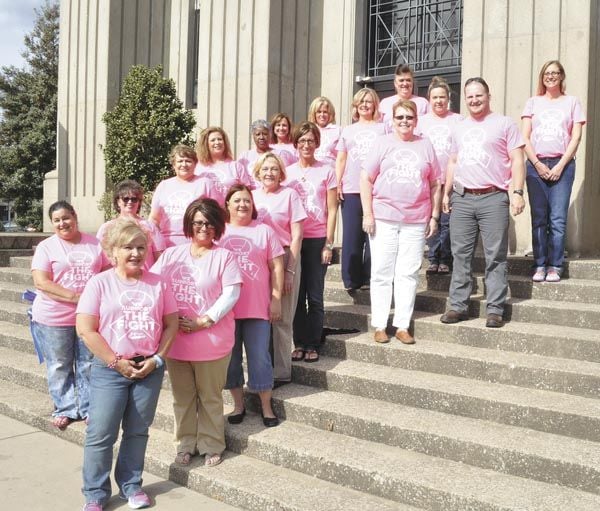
(39, 471)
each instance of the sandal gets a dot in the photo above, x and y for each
(61, 422)
(311, 356)
(298, 355)
(183, 458)
(443, 269)
(212, 460)
(433, 268)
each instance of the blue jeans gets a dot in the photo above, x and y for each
(549, 202)
(114, 401)
(310, 312)
(356, 253)
(255, 335)
(439, 245)
(68, 369)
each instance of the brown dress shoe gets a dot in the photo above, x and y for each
(404, 337)
(381, 337)
(494, 321)
(452, 316)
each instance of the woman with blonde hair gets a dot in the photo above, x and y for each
(216, 163)
(322, 113)
(355, 143)
(552, 128)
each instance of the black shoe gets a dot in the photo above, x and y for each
(237, 418)
(452, 316)
(280, 383)
(270, 422)
(494, 321)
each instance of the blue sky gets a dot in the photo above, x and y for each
(16, 20)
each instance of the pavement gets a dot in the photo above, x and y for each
(39, 471)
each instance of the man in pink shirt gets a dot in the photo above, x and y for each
(486, 155)
(404, 84)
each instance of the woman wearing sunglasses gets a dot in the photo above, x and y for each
(128, 197)
(399, 190)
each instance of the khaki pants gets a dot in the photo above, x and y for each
(198, 404)
(282, 330)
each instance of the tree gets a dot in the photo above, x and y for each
(147, 121)
(28, 98)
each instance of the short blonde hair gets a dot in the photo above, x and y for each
(316, 104)
(182, 150)
(261, 161)
(407, 104)
(120, 232)
(360, 96)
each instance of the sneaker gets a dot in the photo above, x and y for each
(92, 506)
(552, 275)
(138, 500)
(539, 275)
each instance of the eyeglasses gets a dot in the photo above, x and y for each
(307, 141)
(402, 117)
(133, 200)
(553, 74)
(206, 225)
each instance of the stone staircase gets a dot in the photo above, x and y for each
(468, 418)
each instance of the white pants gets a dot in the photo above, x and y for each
(396, 257)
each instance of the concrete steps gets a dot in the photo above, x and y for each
(469, 418)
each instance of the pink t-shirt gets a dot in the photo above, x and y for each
(402, 173)
(130, 314)
(69, 265)
(254, 246)
(288, 148)
(327, 152)
(357, 141)
(279, 210)
(385, 107)
(437, 130)
(171, 198)
(223, 175)
(552, 123)
(483, 150)
(312, 184)
(156, 242)
(249, 158)
(197, 283)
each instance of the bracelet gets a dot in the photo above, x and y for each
(536, 163)
(114, 363)
(290, 271)
(158, 361)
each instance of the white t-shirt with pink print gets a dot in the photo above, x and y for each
(385, 107)
(171, 198)
(156, 242)
(552, 123)
(482, 148)
(130, 314)
(253, 246)
(279, 209)
(70, 265)
(402, 173)
(356, 141)
(223, 175)
(197, 283)
(312, 184)
(327, 152)
(437, 130)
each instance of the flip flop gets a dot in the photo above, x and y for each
(212, 460)
(183, 458)
(298, 355)
(311, 356)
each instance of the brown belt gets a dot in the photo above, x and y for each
(483, 191)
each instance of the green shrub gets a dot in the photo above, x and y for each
(147, 121)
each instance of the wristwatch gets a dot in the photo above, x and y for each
(519, 191)
(329, 246)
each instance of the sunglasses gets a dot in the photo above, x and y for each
(402, 117)
(133, 200)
